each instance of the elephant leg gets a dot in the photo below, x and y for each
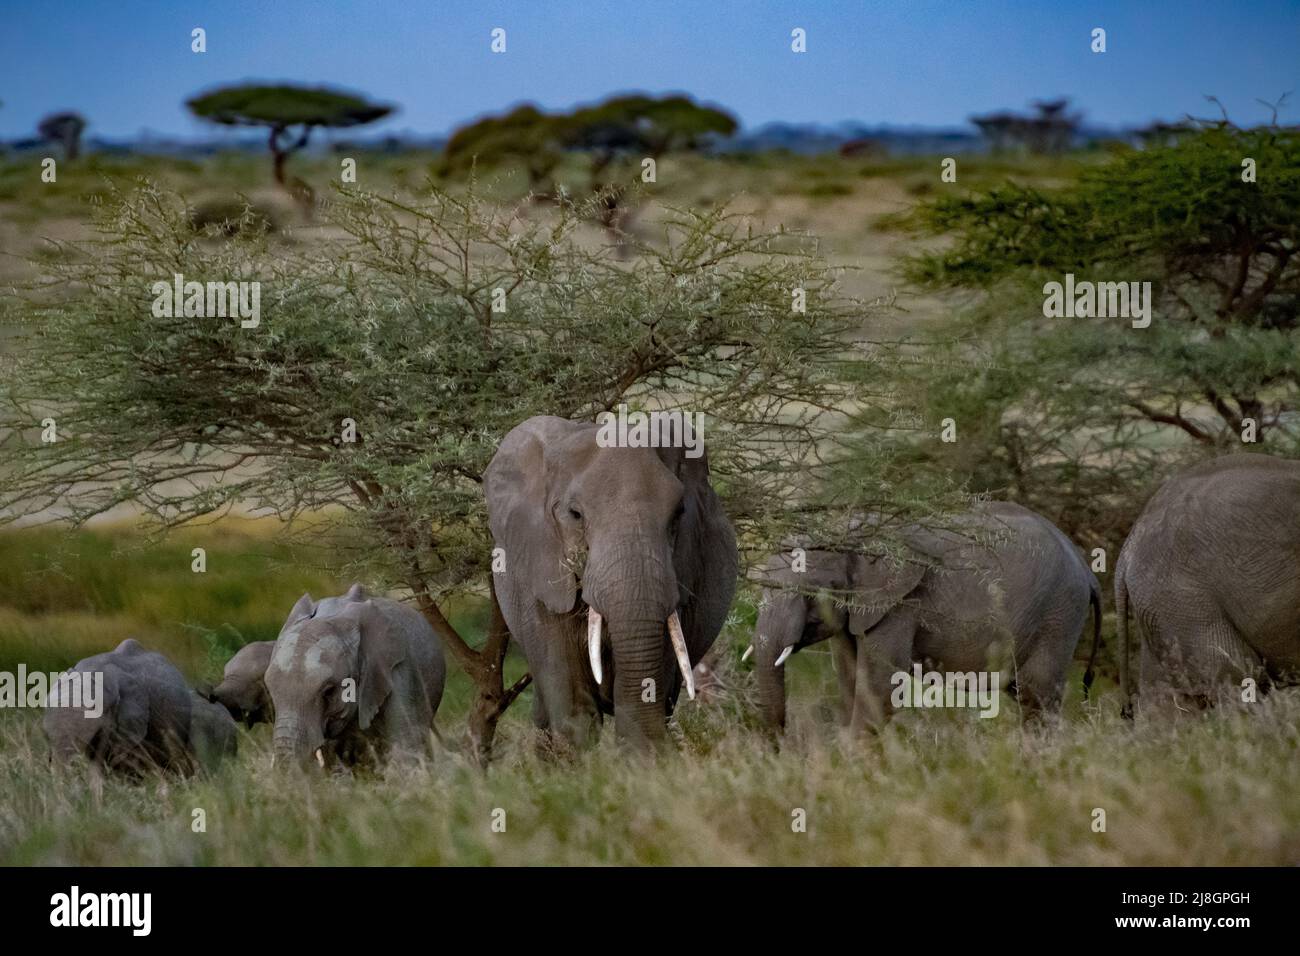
(882, 652)
(1191, 650)
(1040, 678)
(405, 719)
(546, 744)
(541, 719)
(571, 717)
(845, 651)
(1218, 660)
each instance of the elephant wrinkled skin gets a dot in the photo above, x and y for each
(620, 567)
(1211, 574)
(1016, 603)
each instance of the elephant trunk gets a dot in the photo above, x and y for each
(632, 585)
(296, 740)
(640, 680)
(770, 679)
(777, 633)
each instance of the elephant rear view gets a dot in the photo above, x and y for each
(620, 567)
(354, 678)
(1018, 600)
(1211, 573)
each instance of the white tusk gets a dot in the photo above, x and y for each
(593, 643)
(320, 757)
(784, 654)
(745, 656)
(683, 656)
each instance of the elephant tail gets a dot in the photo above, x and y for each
(1121, 628)
(1094, 598)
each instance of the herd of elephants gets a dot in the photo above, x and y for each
(620, 570)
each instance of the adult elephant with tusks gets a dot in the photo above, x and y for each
(620, 568)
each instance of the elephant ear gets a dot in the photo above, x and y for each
(516, 485)
(301, 611)
(879, 584)
(378, 654)
(704, 555)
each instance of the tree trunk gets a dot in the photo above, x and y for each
(278, 155)
(484, 667)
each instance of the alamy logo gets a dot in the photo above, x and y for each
(208, 300)
(81, 690)
(652, 430)
(951, 689)
(1102, 300)
(74, 908)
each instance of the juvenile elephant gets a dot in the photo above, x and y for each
(1018, 599)
(1211, 572)
(150, 718)
(355, 678)
(242, 690)
(620, 567)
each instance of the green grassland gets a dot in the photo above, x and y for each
(933, 788)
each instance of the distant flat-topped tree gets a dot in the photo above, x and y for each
(64, 129)
(289, 112)
(614, 136)
(525, 134)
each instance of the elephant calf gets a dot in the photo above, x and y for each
(149, 717)
(1021, 601)
(354, 678)
(242, 690)
(1211, 572)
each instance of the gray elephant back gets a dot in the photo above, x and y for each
(147, 711)
(1005, 567)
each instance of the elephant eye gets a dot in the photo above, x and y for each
(575, 514)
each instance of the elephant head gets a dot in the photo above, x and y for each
(242, 690)
(327, 675)
(632, 539)
(834, 594)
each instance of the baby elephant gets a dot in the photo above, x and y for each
(242, 690)
(354, 678)
(145, 717)
(1015, 602)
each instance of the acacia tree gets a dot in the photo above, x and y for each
(525, 135)
(433, 327)
(606, 135)
(1066, 412)
(64, 129)
(290, 113)
(637, 128)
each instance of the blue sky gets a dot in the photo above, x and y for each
(126, 64)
